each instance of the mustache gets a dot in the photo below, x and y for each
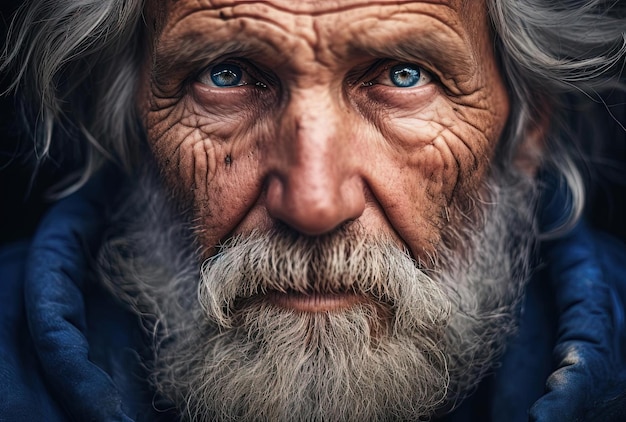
(284, 260)
(348, 260)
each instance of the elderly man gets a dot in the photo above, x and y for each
(313, 210)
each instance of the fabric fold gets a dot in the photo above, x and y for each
(54, 282)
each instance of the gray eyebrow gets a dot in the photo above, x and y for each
(443, 57)
(192, 50)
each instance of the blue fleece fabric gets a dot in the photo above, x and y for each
(68, 351)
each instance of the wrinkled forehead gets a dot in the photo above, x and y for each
(320, 16)
(311, 7)
(447, 34)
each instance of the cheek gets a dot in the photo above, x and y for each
(432, 160)
(447, 151)
(210, 161)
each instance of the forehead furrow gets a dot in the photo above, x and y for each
(337, 29)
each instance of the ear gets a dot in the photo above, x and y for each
(530, 151)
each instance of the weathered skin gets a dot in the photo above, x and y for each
(324, 137)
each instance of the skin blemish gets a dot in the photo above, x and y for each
(228, 160)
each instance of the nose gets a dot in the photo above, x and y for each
(314, 185)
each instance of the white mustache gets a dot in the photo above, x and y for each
(346, 261)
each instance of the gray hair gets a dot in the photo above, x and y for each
(556, 56)
(76, 64)
(79, 61)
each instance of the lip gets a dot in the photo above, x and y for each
(314, 302)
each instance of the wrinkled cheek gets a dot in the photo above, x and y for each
(454, 162)
(443, 163)
(211, 169)
(186, 159)
(429, 184)
(183, 143)
(431, 158)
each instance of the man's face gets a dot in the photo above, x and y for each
(333, 162)
(317, 113)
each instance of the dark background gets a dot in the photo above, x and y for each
(22, 194)
(23, 183)
(19, 208)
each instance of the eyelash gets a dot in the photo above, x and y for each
(259, 77)
(382, 66)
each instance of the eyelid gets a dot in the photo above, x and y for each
(204, 75)
(251, 74)
(381, 68)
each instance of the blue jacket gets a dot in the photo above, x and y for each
(69, 351)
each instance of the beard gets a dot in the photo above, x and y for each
(413, 343)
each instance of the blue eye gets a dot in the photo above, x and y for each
(226, 75)
(405, 75)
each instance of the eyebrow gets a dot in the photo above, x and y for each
(193, 50)
(447, 58)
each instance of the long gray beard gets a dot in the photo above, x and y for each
(419, 341)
